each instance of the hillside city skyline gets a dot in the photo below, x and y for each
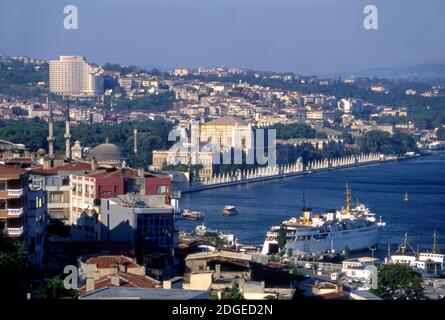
(383, 72)
(222, 150)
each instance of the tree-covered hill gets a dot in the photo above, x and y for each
(21, 79)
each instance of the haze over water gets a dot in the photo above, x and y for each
(381, 187)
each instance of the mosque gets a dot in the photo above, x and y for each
(105, 155)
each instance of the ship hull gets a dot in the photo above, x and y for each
(336, 241)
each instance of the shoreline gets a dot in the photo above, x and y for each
(295, 174)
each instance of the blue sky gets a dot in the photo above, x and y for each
(302, 36)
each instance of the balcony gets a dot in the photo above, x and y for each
(15, 212)
(15, 232)
(15, 192)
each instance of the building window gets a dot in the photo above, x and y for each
(56, 197)
(2, 185)
(162, 189)
(2, 204)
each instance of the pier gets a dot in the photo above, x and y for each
(288, 170)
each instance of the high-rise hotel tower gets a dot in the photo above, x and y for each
(73, 76)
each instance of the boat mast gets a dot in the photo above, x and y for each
(405, 243)
(434, 249)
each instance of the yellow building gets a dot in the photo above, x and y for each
(230, 131)
(206, 140)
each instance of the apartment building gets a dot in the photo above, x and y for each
(56, 182)
(13, 200)
(86, 192)
(23, 211)
(36, 225)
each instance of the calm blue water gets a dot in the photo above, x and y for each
(381, 187)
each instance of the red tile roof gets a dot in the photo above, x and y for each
(115, 173)
(127, 280)
(109, 261)
(333, 296)
(73, 166)
(18, 159)
(129, 173)
(5, 169)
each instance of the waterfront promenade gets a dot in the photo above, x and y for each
(289, 170)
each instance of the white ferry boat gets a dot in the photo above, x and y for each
(331, 232)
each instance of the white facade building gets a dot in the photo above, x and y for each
(350, 105)
(73, 76)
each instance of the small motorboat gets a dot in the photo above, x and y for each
(192, 215)
(230, 210)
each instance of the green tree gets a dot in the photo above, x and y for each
(294, 130)
(399, 280)
(213, 296)
(21, 79)
(152, 134)
(233, 293)
(176, 167)
(58, 228)
(54, 289)
(297, 272)
(15, 269)
(347, 138)
(155, 102)
(380, 141)
(402, 142)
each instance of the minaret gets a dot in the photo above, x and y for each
(50, 129)
(135, 141)
(67, 132)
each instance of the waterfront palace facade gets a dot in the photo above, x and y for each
(225, 133)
